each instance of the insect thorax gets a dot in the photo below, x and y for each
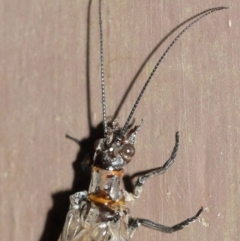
(105, 186)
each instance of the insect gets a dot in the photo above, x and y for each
(101, 213)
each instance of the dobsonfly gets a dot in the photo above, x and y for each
(101, 214)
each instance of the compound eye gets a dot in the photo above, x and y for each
(128, 152)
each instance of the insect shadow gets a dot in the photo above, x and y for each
(81, 166)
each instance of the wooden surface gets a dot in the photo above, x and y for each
(50, 56)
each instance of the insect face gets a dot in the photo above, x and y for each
(115, 152)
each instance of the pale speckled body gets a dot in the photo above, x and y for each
(97, 215)
(84, 223)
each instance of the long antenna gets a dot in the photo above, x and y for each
(204, 14)
(102, 72)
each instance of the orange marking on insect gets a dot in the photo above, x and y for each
(102, 197)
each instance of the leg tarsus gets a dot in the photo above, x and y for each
(149, 224)
(187, 221)
(160, 170)
(170, 161)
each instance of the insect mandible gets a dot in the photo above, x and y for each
(101, 213)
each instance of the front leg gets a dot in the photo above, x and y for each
(159, 227)
(160, 170)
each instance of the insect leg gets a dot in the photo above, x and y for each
(160, 170)
(165, 229)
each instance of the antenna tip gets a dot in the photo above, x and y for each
(221, 8)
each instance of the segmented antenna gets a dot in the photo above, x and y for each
(102, 72)
(204, 14)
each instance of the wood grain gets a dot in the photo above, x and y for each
(50, 87)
